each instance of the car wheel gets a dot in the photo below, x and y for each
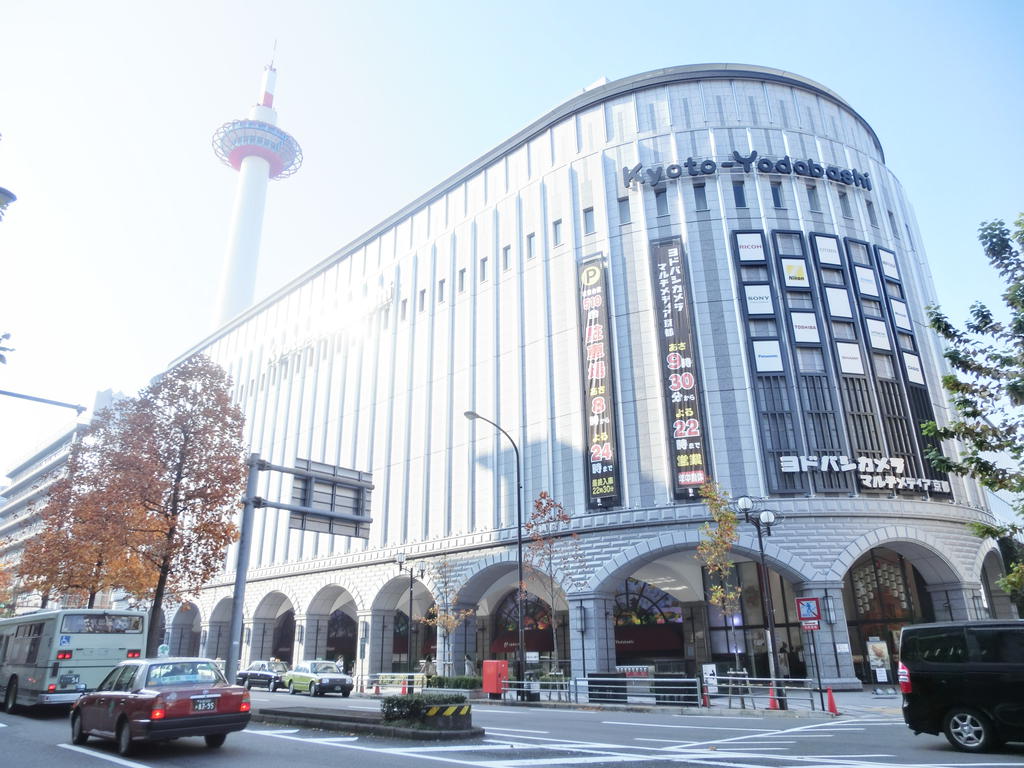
(273, 686)
(291, 688)
(345, 694)
(214, 740)
(11, 698)
(124, 738)
(78, 736)
(969, 731)
(312, 689)
(248, 684)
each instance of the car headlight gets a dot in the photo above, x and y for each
(325, 680)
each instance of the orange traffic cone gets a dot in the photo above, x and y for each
(773, 703)
(705, 702)
(376, 690)
(832, 703)
(403, 687)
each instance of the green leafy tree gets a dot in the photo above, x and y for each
(715, 551)
(986, 386)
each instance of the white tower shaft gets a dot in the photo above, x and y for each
(238, 280)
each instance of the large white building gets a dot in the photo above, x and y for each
(697, 272)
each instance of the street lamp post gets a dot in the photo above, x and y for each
(421, 570)
(521, 644)
(763, 522)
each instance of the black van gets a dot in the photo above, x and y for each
(964, 679)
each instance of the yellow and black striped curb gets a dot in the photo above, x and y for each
(456, 709)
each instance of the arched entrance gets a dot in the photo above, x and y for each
(887, 588)
(273, 629)
(218, 640)
(331, 628)
(186, 629)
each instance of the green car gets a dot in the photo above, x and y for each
(317, 678)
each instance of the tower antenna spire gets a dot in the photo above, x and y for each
(273, 54)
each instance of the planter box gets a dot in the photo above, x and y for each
(450, 717)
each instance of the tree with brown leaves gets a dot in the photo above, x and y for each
(714, 550)
(553, 547)
(157, 484)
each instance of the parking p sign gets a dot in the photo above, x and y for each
(808, 610)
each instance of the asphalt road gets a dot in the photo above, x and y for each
(523, 737)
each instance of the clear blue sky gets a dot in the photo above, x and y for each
(111, 256)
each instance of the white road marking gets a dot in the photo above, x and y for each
(514, 730)
(270, 732)
(677, 742)
(699, 727)
(103, 756)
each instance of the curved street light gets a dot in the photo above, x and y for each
(520, 657)
(420, 570)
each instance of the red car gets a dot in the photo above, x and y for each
(160, 699)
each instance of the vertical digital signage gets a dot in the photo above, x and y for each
(599, 389)
(678, 369)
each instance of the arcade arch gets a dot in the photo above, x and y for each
(272, 633)
(186, 631)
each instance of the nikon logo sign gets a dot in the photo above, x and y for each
(659, 174)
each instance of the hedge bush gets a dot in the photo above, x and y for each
(462, 682)
(413, 707)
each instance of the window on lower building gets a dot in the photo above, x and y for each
(589, 227)
(871, 213)
(531, 245)
(556, 231)
(813, 200)
(844, 205)
(624, 215)
(405, 307)
(739, 194)
(506, 258)
(462, 280)
(440, 291)
(700, 197)
(423, 298)
(892, 225)
(483, 269)
(661, 202)
(777, 194)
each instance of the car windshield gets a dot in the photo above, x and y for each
(278, 666)
(184, 673)
(324, 667)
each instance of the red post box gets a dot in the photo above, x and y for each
(495, 673)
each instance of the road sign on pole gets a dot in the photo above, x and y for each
(808, 610)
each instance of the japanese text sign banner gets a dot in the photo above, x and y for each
(598, 386)
(678, 368)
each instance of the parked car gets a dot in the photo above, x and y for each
(318, 678)
(264, 674)
(964, 679)
(160, 699)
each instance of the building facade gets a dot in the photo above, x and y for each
(698, 272)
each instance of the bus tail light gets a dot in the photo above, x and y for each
(63, 655)
(51, 688)
(133, 654)
(903, 675)
(246, 703)
(159, 709)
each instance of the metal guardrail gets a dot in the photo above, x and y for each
(764, 693)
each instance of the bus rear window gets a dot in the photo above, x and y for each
(100, 624)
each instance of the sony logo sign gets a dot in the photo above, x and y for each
(660, 173)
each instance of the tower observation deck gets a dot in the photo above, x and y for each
(259, 151)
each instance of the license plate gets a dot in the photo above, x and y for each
(204, 705)
(66, 681)
(337, 687)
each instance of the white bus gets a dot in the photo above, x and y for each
(51, 657)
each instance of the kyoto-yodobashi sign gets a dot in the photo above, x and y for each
(881, 473)
(659, 174)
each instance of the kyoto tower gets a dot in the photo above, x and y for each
(259, 151)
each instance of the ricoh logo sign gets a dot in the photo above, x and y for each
(659, 174)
